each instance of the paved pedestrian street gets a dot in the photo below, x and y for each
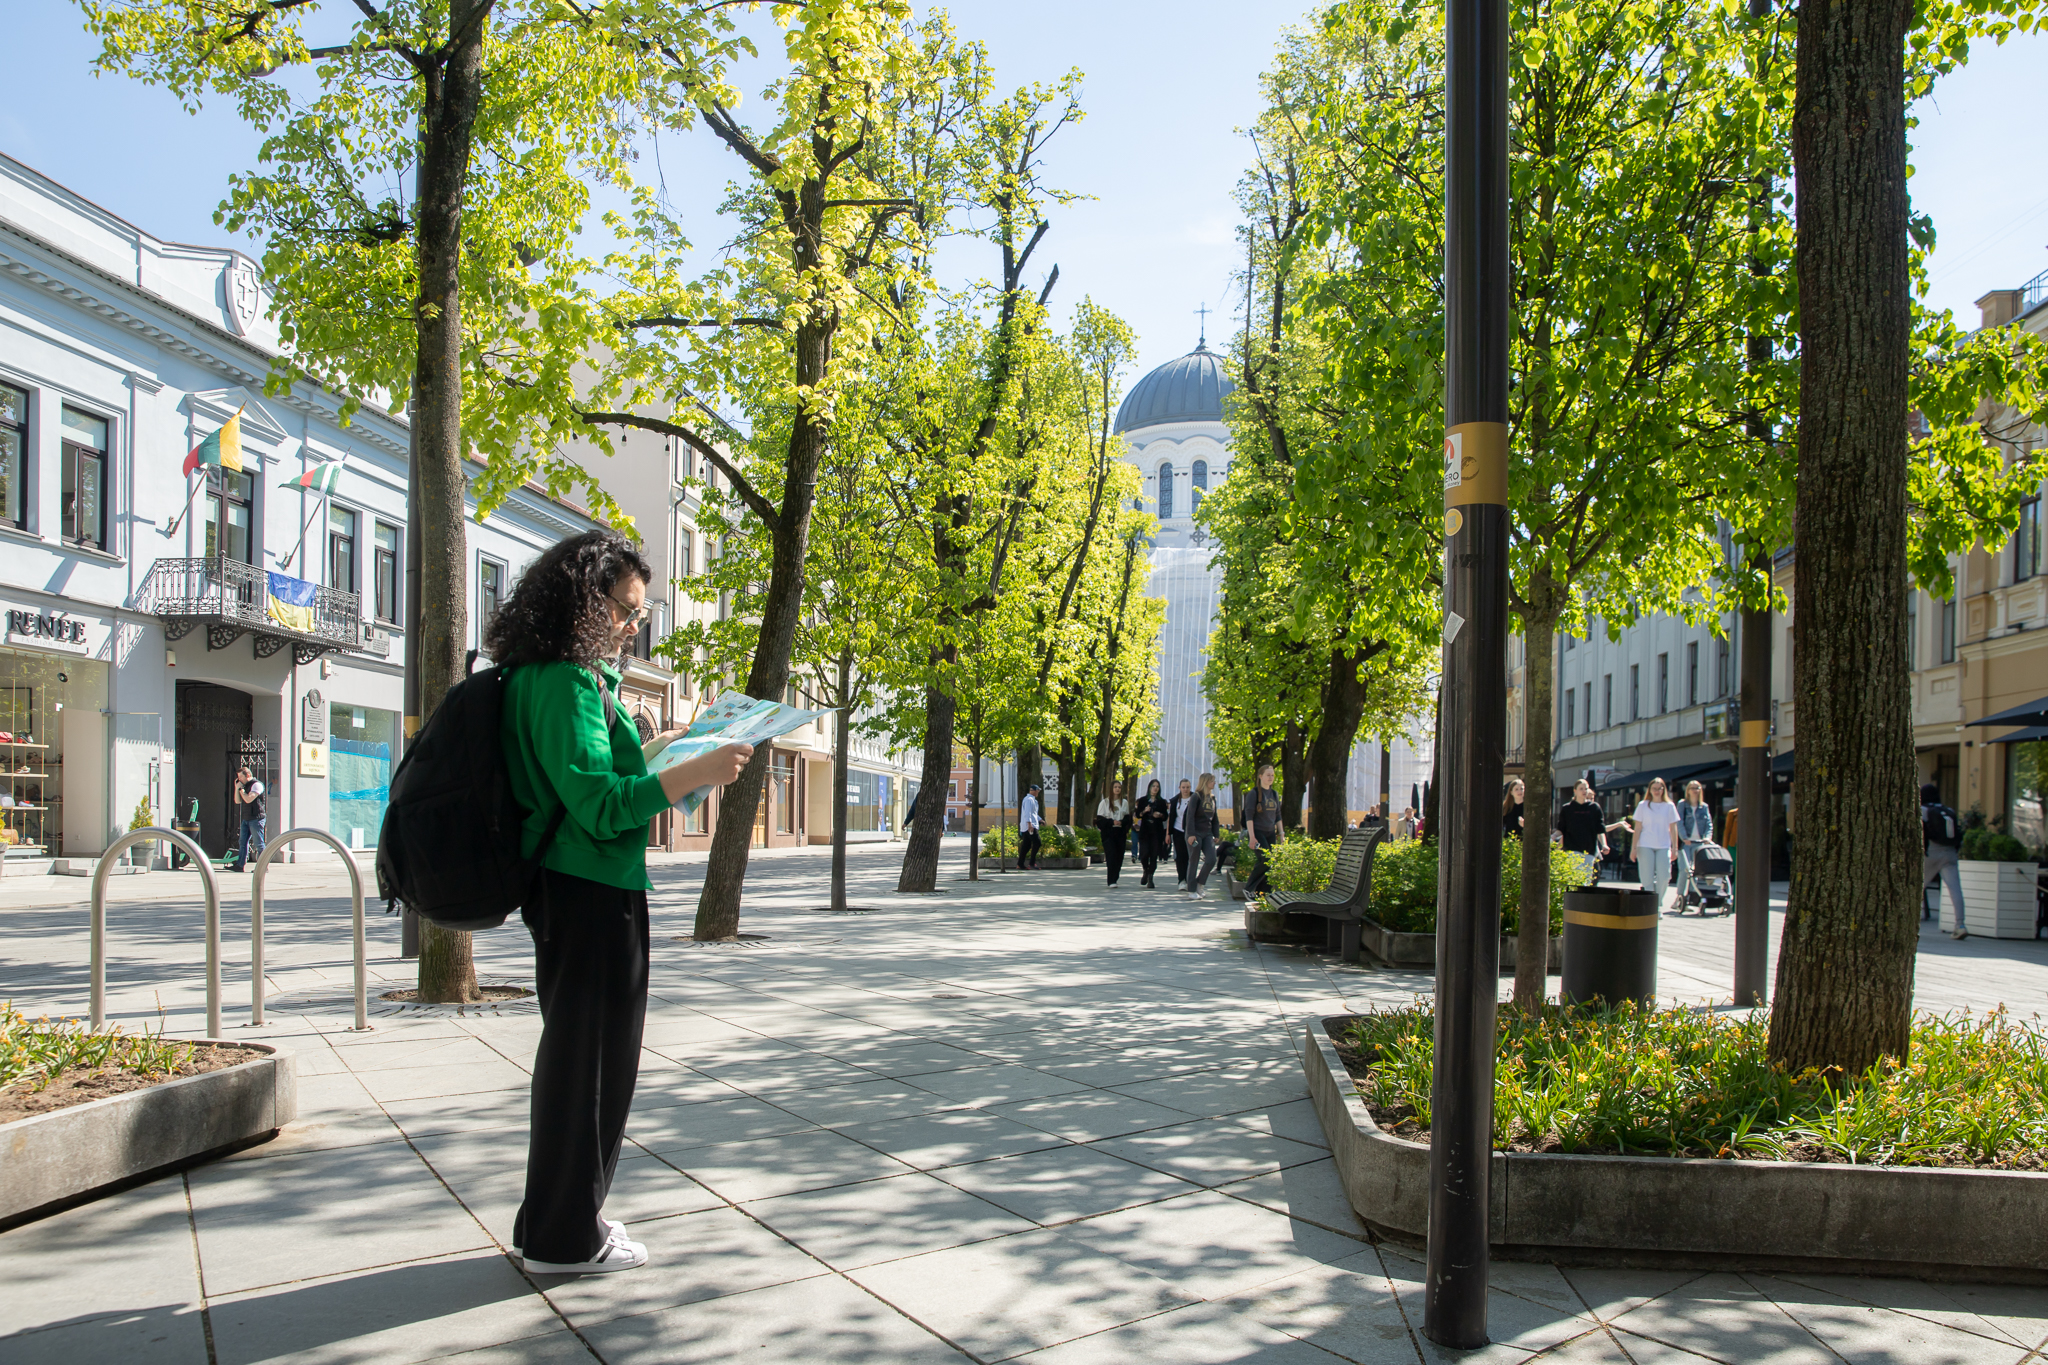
(1027, 1118)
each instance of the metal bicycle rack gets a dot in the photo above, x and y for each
(355, 880)
(152, 834)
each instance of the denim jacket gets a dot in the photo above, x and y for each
(1695, 823)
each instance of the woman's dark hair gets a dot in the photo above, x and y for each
(1151, 787)
(561, 607)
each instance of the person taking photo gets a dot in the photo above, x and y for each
(570, 748)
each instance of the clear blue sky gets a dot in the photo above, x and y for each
(1168, 86)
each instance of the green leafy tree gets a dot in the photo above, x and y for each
(420, 187)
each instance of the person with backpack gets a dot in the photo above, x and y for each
(1941, 844)
(577, 767)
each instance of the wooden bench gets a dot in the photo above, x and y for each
(1342, 905)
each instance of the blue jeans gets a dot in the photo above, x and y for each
(1653, 868)
(251, 829)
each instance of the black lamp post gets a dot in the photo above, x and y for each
(1474, 729)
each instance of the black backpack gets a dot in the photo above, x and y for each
(1940, 826)
(449, 849)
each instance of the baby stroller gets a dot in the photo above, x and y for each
(1712, 869)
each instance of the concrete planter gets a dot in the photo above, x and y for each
(1419, 950)
(1998, 899)
(1768, 1215)
(70, 1155)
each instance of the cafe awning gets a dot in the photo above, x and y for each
(2033, 713)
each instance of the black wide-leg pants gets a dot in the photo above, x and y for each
(1149, 848)
(590, 957)
(1180, 856)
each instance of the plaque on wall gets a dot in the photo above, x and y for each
(312, 760)
(314, 725)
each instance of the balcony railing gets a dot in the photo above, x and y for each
(2033, 291)
(231, 599)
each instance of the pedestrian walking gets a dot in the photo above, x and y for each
(1113, 818)
(1153, 812)
(1941, 844)
(1655, 817)
(1511, 810)
(1261, 821)
(1200, 818)
(1695, 828)
(577, 766)
(254, 807)
(1028, 841)
(1584, 830)
(1178, 832)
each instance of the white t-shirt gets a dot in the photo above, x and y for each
(1656, 819)
(1113, 811)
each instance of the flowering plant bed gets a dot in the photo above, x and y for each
(1777, 1215)
(83, 1114)
(1973, 1092)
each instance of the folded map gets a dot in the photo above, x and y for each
(734, 718)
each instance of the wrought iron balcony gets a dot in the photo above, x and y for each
(231, 599)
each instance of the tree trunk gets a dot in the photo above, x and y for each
(1293, 776)
(725, 871)
(1066, 762)
(452, 92)
(1845, 967)
(974, 817)
(1532, 940)
(839, 780)
(921, 854)
(1329, 755)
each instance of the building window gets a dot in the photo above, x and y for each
(1947, 642)
(1589, 706)
(1606, 699)
(490, 587)
(85, 479)
(686, 554)
(1166, 492)
(1692, 674)
(1570, 643)
(1571, 698)
(229, 495)
(1199, 484)
(385, 572)
(2026, 546)
(784, 770)
(1635, 691)
(1723, 667)
(1912, 629)
(1663, 683)
(13, 455)
(359, 744)
(341, 548)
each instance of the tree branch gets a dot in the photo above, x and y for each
(748, 494)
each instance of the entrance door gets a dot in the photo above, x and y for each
(210, 720)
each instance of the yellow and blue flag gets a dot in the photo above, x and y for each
(291, 602)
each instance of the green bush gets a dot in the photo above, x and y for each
(1000, 842)
(1300, 863)
(1404, 886)
(1090, 837)
(1058, 845)
(1992, 846)
(1680, 1082)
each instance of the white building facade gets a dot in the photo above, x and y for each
(161, 630)
(1174, 432)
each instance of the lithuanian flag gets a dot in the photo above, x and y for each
(320, 479)
(223, 447)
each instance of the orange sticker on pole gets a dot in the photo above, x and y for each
(1476, 464)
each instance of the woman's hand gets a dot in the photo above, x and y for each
(660, 742)
(713, 769)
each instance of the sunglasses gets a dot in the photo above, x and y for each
(632, 616)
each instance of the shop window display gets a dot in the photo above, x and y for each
(36, 692)
(361, 745)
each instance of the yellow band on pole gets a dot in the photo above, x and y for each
(1476, 464)
(1592, 921)
(1756, 734)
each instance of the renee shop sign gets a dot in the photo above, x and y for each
(58, 629)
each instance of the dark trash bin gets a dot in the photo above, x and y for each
(1610, 945)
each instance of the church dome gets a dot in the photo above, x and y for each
(1190, 389)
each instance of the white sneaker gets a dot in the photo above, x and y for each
(620, 1252)
(613, 1228)
(1180, 886)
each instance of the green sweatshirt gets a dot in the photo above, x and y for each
(559, 752)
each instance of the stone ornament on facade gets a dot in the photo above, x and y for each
(244, 287)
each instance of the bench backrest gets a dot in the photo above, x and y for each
(1352, 876)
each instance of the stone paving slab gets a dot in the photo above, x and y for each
(1030, 1118)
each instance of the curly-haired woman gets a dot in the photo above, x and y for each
(572, 749)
